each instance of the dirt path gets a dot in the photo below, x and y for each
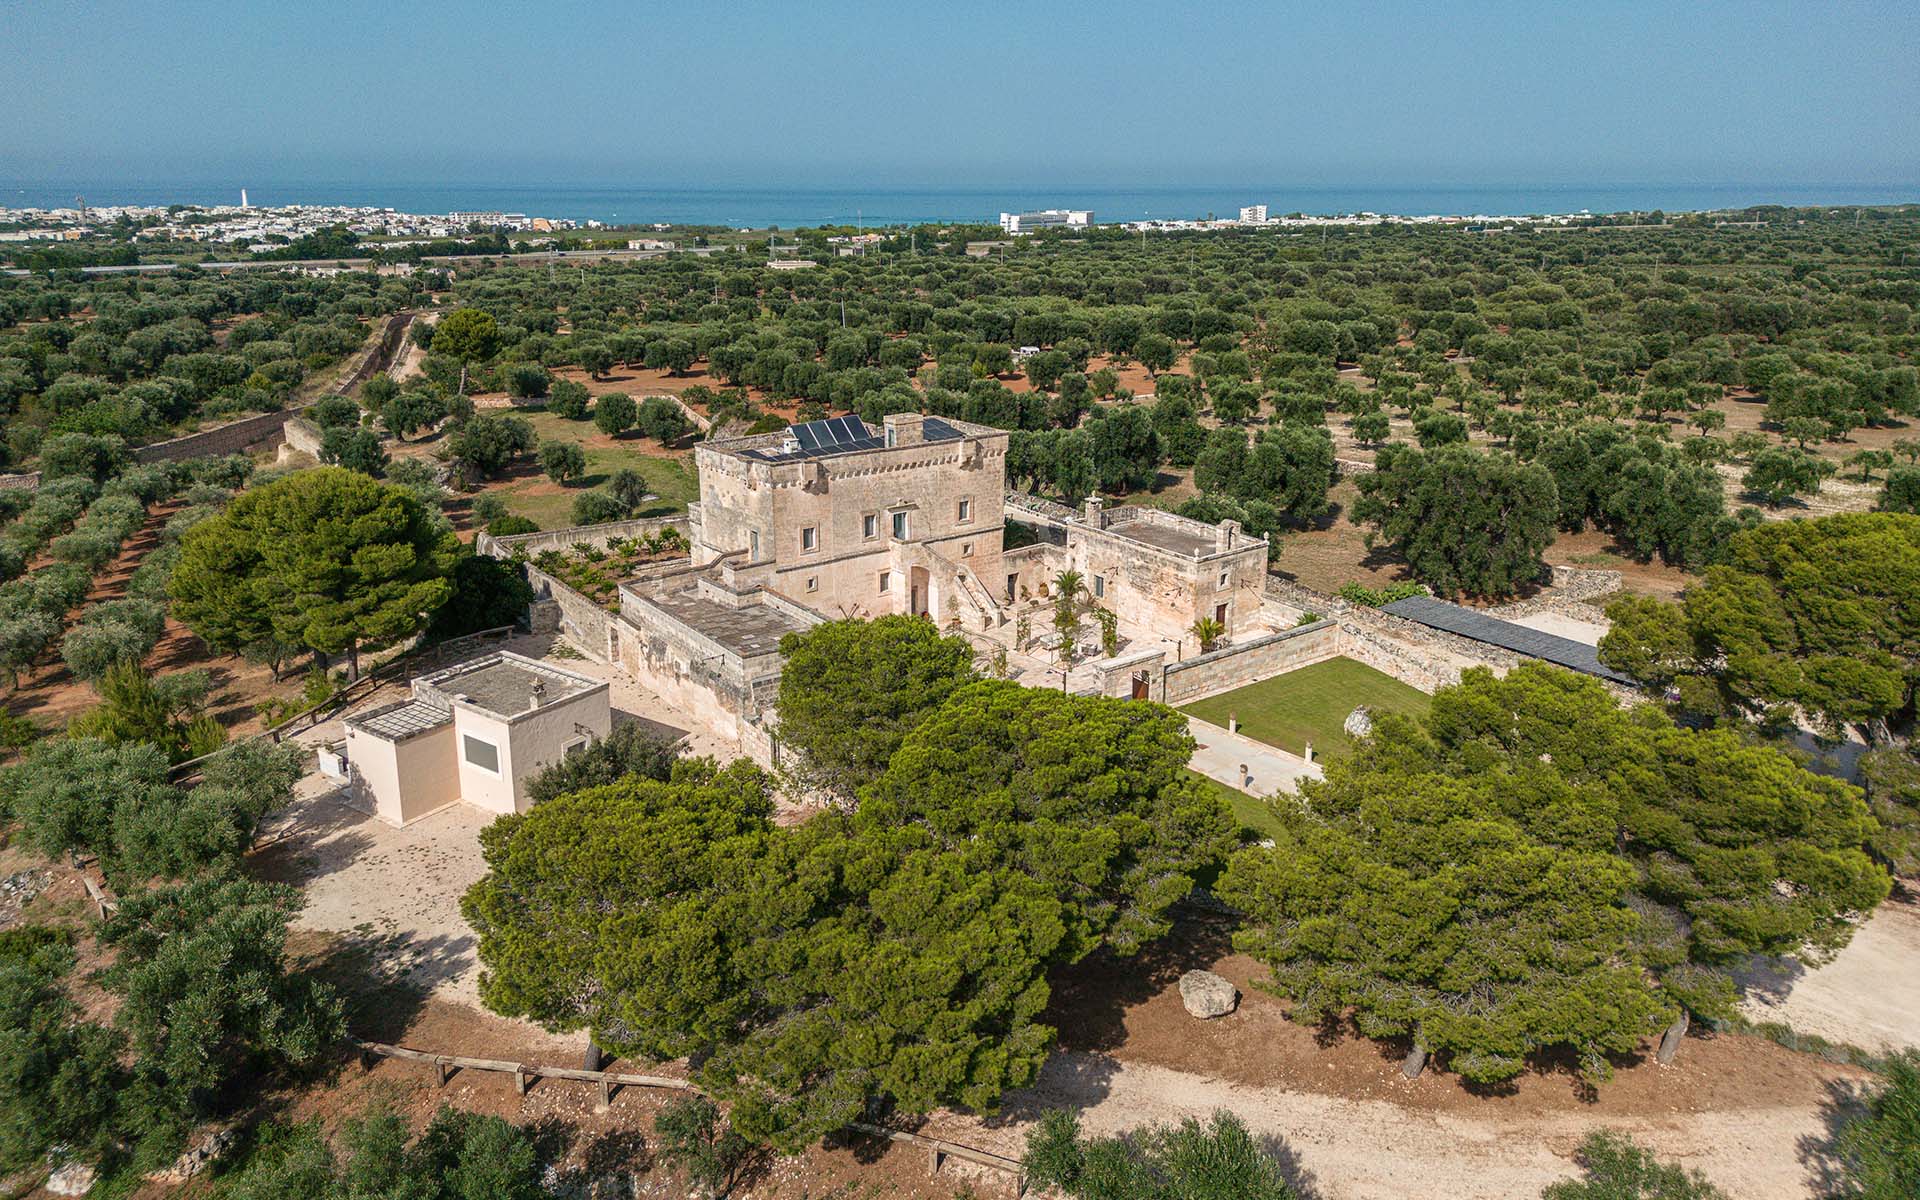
(1343, 1149)
(1868, 996)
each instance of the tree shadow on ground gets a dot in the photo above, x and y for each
(384, 978)
(1845, 1101)
(1305, 1184)
(1091, 998)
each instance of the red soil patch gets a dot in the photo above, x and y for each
(51, 696)
(1131, 1009)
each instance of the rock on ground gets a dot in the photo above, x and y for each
(1207, 995)
(74, 1179)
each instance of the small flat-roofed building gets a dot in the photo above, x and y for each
(474, 733)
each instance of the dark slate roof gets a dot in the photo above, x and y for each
(1562, 652)
(842, 435)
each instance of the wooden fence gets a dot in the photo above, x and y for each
(444, 1065)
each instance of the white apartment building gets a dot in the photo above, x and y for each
(1050, 218)
(1254, 214)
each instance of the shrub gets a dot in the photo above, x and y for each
(597, 508)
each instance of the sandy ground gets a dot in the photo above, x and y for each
(401, 887)
(1588, 632)
(1343, 1149)
(1868, 996)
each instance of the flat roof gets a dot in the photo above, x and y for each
(749, 631)
(504, 684)
(840, 435)
(1452, 618)
(402, 720)
(1167, 537)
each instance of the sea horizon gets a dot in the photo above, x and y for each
(759, 207)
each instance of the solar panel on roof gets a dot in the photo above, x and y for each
(851, 429)
(806, 435)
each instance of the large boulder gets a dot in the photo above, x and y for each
(1359, 722)
(1207, 995)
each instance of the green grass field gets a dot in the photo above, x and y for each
(1250, 811)
(536, 498)
(1309, 705)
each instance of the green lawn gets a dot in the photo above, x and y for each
(535, 497)
(1309, 705)
(1251, 811)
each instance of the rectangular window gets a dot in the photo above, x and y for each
(813, 583)
(574, 747)
(1099, 585)
(870, 525)
(809, 538)
(753, 545)
(966, 511)
(899, 527)
(966, 549)
(484, 755)
(886, 581)
(1223, 579)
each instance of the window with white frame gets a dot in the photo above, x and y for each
(899, 527)
(1099, 585)
(870, 526)
(809, 538)
(813, 583)
(481, 753)
(886, 581)
(1224, 577)
(966, 511)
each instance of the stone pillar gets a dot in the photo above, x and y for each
(1094, 512)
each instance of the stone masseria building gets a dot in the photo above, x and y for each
(835, 519)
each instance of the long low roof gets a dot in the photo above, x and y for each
(1548, 647)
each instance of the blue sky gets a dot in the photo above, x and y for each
(898, 93)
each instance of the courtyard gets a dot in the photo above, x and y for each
(1309, 706)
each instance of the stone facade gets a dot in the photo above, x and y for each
(1159, 573)
(708, 644)
(1250, 662)
(913, 525)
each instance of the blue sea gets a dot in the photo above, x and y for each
(758, 207)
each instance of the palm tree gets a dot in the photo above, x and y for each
(1067, 586)
(1209, 632)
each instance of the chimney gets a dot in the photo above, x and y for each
(1224, 534)
(1093, 512)
(905, 429)
(537, 695)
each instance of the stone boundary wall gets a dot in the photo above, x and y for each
(1237, 666)
(1423, 672)
(266, 429)
(1572, 588)
(602, 536)
(584, 623)
(304, 436)
(233, 438)
(28, 481)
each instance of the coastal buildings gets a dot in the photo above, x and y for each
(1254, 214)
(1050, 218)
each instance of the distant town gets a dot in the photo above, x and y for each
(244, 225)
